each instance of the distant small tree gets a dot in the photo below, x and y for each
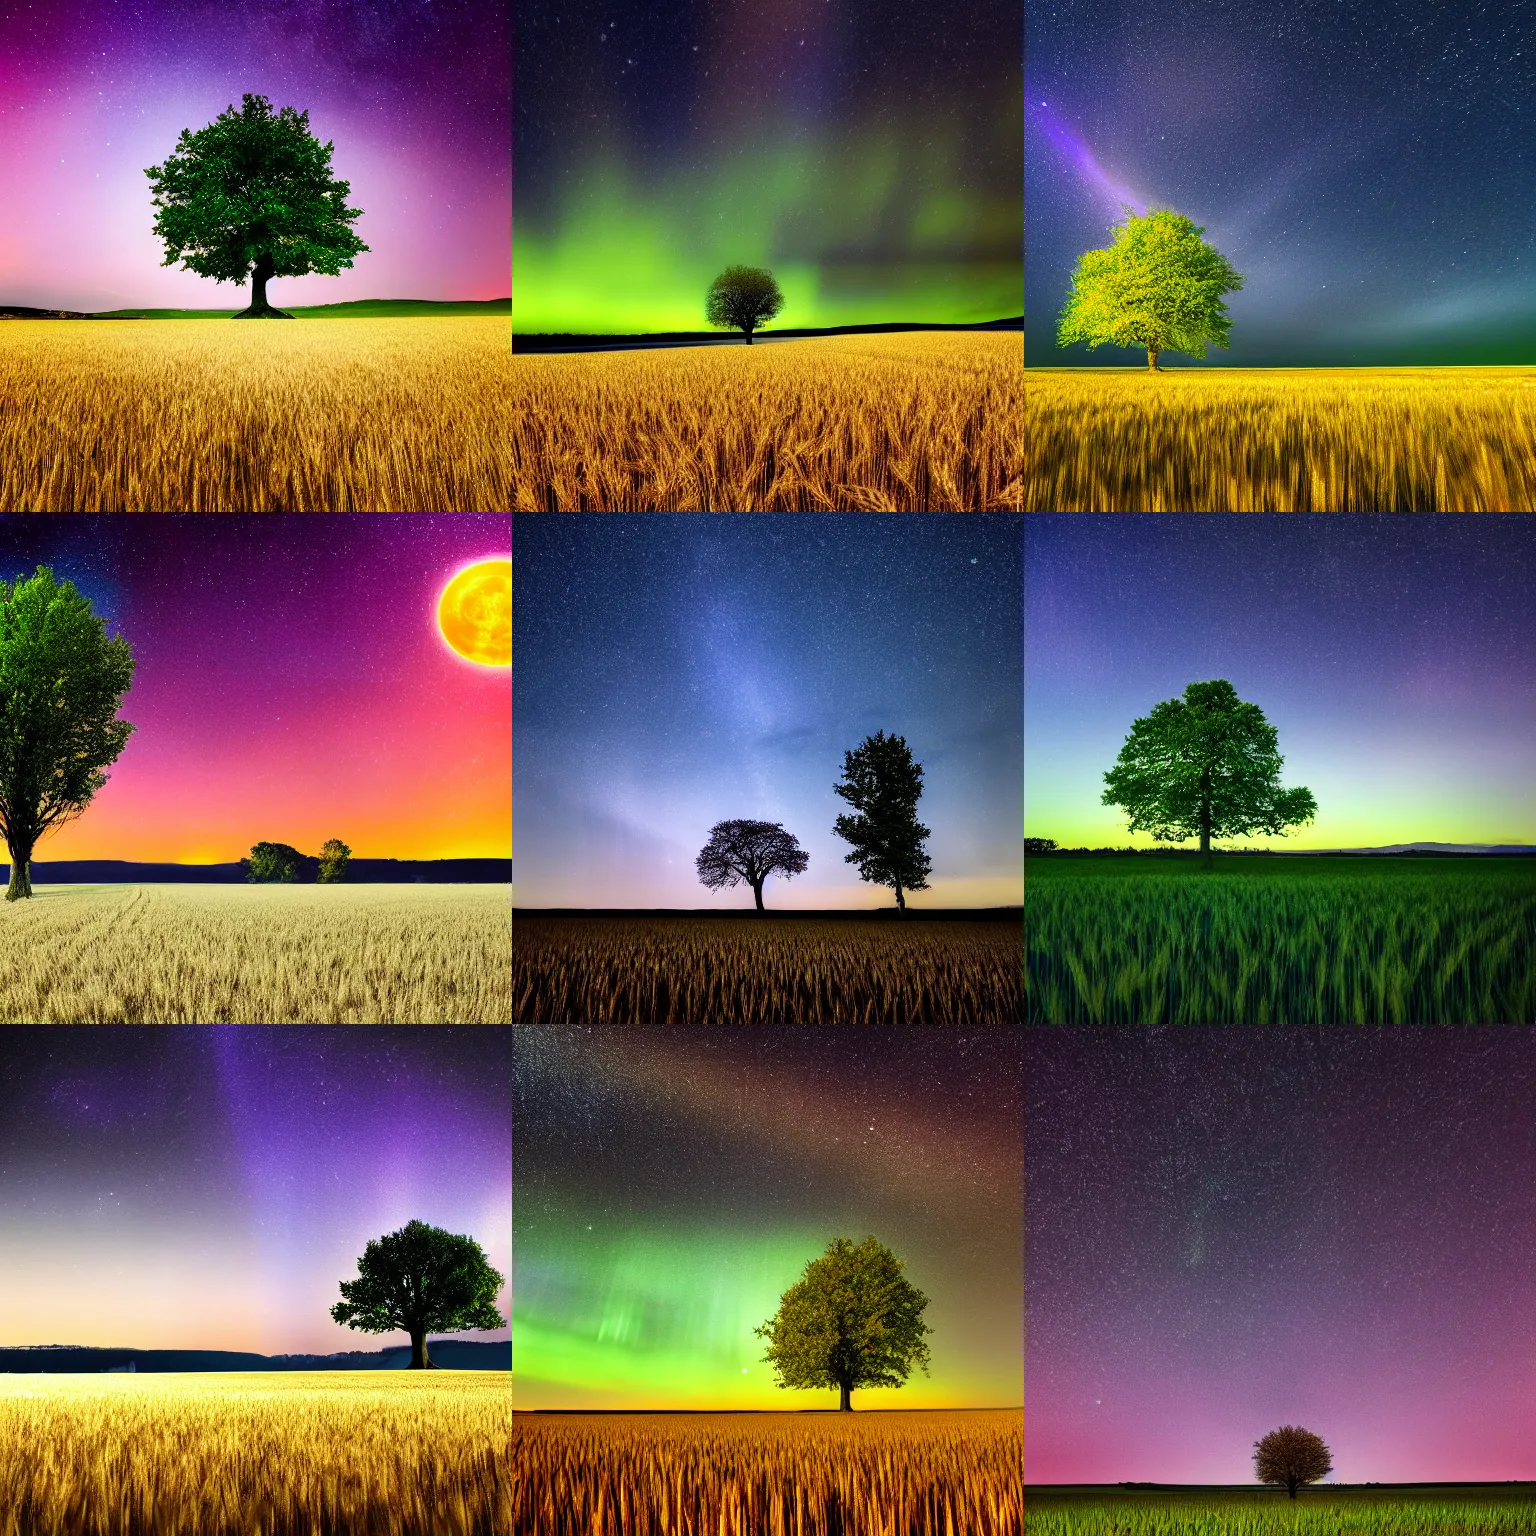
(1291, 1456)
(882, 783)
(852, 1320)
(273, 864)
(334, 856)
(749, 851)
(1039, 845)
(420, 1280)
(741, 298)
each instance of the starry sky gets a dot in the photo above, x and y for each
(866, 151)
(415, 97)
(672, 671)
(1392, 655)
(291, 685)
(209, 1187)
(1367, 168)
(1233, 1230)
(670, 1185)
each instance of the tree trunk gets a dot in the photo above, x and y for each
(1292, 1487)
(901, 901)
(749, 335)
(420, 1359)
(259, 309)
(1205, 818)
(845, 1406)
(21, 871)
(757, 890)
(1152, 360)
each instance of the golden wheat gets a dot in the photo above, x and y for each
(1282, 440)
(874, 1474)
(261, 1453)
(254, 954)
(651, 970)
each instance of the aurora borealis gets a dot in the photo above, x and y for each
(1365, 167)
(292, 684)
(868, 153)
(1392, 655)
(670, 1184)
(674, 671)
(1234, 1229)
(209, 1186)
(414, 97)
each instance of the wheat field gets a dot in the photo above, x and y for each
(769, 1474)
(435, 414)
(257, 954)
(260, 1453)
(1281, 440)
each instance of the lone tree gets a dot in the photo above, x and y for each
(749, 851)
(334, 855)
(1159, 286)
(882, 783)
(851, 1320)
(1292, 1456)
(741, 298)
(252, 194)
(1039, 845)
(1202, 765)
(418, 1280)
(273, 864)
(61, 684)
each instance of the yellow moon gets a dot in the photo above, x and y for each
(475, 613)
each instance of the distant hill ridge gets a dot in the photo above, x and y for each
(56, 1359)
(359, 872)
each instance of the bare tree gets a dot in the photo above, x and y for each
(749, 851)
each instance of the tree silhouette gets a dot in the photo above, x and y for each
(1159, 286)
(61, 684)
(252, 194)
(1204, 765)
(852, 1320)
(882, 783)
(741, 298)
(749, 851)
(273, 864)
(418, 1280)
(333, 861)
(1291, 1456)
(1039, 845)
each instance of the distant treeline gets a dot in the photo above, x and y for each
(1035, 847)
(359, 872)
(55, 1359)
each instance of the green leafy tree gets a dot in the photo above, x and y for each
(852, 1320)
(333, 861)
(882, 783)
(1159, 286)
(252, 195)
(273, 864)
(1204, 765)
(62, 682)
(420, 1280)
(1291, 1456)
(741, 298)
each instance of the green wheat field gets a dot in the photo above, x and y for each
(1269, 940)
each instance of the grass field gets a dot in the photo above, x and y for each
(262, 1453)
(403, 414)
(1486, 1510)
(659, 970)
(256, 954)
(1281, 440)
(1144, 940)
(769, 1474)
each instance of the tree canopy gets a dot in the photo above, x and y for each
(852, 1320)
(1291, 1456)
(742, 298)
(883, 784)
(252, 195)
(749, 851)
(1204, 765)
(418, 1280)
(334, 857)
(62, 681)
(1159, 286)
(273, 864)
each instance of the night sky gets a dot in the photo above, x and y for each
(208, 1187)
(292, 684)
(414, 95)
(1394, 656)
(669, 1185)
(1368, 168)
(1233, 1230)
(867, 151)
(673, 671)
